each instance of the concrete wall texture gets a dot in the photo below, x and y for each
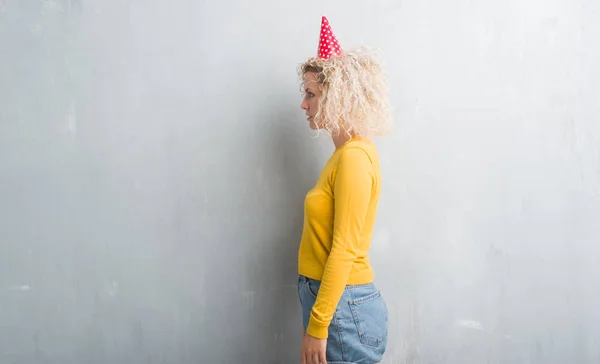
(154, 160)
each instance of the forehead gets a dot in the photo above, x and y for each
(310, 79)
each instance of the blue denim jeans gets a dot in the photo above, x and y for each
(358, 330)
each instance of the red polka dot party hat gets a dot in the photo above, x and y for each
(328, 44)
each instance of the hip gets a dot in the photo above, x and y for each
(359, 328)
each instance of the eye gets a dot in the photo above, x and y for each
(311, 95)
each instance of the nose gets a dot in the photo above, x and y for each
(304, 105)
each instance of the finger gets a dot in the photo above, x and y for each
(322, 359)
(315, 358)
(309, 359)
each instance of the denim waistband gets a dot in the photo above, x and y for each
(305, 279)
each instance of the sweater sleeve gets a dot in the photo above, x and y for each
(352, 194)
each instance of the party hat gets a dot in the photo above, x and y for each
(328, 44)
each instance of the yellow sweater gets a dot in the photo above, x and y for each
(339, 214)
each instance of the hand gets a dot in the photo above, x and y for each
(313, 350)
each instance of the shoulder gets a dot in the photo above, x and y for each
(359, 151)
(357, 166)
(356, 159)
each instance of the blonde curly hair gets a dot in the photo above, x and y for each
(355, 95)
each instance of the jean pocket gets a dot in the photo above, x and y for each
(298, 287)
(371, 319)
(313, 288)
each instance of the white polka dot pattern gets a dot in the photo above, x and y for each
(328, 44)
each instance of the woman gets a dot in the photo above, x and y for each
(344, 315)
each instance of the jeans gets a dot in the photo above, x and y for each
(359, 328)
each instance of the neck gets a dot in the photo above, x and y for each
(340, 139)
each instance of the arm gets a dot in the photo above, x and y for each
(352, 195)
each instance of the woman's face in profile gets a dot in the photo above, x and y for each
(310, 103)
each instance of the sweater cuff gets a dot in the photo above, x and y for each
(317, 328)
